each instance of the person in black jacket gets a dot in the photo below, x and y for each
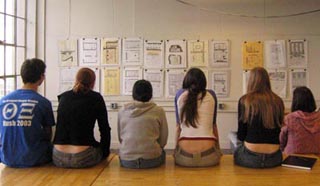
(78, 111)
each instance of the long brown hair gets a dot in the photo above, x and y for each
(260, 100)
(195, 82)
(85, 80)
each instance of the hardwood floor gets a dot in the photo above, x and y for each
(110, 173)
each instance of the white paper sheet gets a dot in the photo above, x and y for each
(278, 80)
(110, 51)
(220, 83)
(197, 53)
(68, 53)
(298, 77)
(156, 78)
(110, 81)
(174, 80)
(130, 76)
(89, 49)
(132, 51)
(275, 54)
(297, 53)
(153, 54)
(176, 54)
(219, 53)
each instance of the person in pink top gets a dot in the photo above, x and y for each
(301, 131)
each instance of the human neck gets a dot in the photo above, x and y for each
(30, 86)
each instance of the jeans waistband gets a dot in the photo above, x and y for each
(56, 151)
(202, 154)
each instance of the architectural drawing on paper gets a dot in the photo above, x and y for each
(219, 53)
(67, 78)
(68, 53)
(219, 82)
(89, 51)
(132, 51)
(110, 80)
(111, 52)
(278, 80)
(153, 54)
(156, 78)
(297, 53)
(130, 76)
(176, 54)
(275, 54)
(198, 53)
(252, 55)
(174, 79)
(298, 77)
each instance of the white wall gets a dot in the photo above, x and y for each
(168, 19)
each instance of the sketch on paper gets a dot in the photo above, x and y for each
(219, 82)
(278, 80)
(156, 78)
(68, 53)
(219, 53)
(89, 51)
(68, 77)
(245, 79)
(252, 55)
(298, 77)
(110, 80)
(111, 52)
(130, 76)
(275, 54)
(174, 79)
(176, 54)
(153, 54)
(297, 53)
(198, 53)
(132, 51)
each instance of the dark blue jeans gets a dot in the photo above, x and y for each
(246, 158)
(144, 163)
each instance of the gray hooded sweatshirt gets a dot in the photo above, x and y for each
(142, 130)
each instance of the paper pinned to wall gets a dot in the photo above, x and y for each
(275, 53)
(219, 53)
(89, 49)
(130, 76)
(110, 81)
(174, 79)
(132, 51)
(278, 80)
(220, 82)
(245, 79)
(297, 53)
(176, 54)
(298, 77)
(198, 53)
(110, 51)
(156, 78)
(252, 55)
(153, 54)
(68, 53)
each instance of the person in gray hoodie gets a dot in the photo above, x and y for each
(142, 130)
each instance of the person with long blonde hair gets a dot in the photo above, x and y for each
(260, 117)
(78, 111)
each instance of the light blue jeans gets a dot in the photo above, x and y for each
(87, 158)
(246, 158)
(144, 163)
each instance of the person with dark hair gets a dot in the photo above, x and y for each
(78, 111)
(260, 117)
(26, 120)
(142, 130)
(301, 131)
(197, 139)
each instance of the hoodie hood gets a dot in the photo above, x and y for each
(309, 121)
(136, 108)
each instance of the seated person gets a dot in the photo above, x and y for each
(78, 111)
(260, 117)
(301, 131)
(142, 130)
(26, 121)
(197, 139)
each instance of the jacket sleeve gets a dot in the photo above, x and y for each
(242, 127)
(163, 129)
(104, 127)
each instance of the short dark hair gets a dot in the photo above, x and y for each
(303, 100)
(142, 91)
(32, 70)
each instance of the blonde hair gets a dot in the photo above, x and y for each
(85, 80)
(260, 100)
